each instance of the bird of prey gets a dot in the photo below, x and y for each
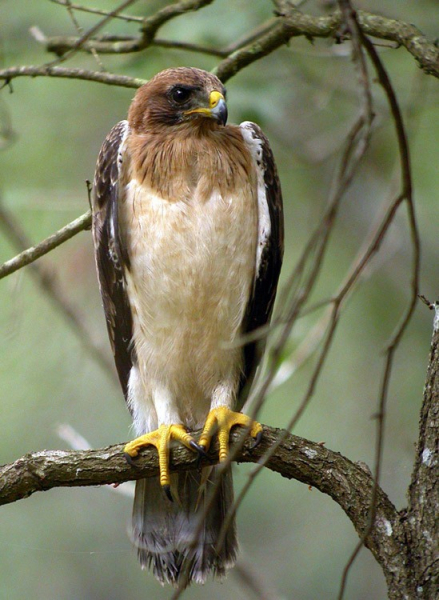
(188, 234)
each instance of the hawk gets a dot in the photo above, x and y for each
(188, 236)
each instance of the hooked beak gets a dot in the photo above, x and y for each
(217, 108)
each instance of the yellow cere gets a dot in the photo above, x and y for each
(214, 98)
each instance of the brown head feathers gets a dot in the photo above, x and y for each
(165, 99)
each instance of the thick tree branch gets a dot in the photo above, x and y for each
(423, 522)
(347, 483)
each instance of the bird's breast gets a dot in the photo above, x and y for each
(191, 273)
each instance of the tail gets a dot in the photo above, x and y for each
(164, 531)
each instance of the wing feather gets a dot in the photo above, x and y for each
(111, 256)
(269, 249)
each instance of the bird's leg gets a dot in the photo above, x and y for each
(220, 420)
(161, 438)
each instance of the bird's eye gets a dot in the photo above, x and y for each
(180, 95)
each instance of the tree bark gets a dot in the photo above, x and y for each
(422, 522)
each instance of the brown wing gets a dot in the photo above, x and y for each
(269, 251)
(111, 257)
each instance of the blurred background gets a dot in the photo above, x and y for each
(72, 543)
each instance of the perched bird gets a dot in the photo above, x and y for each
(188, 234)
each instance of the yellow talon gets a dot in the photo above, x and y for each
(221, 420)
(161, 438)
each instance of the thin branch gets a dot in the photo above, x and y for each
(95, 11)
(188, 47)
(122, 45)
(152, 24)
(56, 239)
(80, 31)
(356, 147)
(405, 195)
(88, 34)
(352, 27)
(7, 75)
(50, 285)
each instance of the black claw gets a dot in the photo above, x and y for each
(199, 449)
(167, 489)
(131, 460)
(201, 453)
(257, 441)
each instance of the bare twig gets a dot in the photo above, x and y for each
(7, 75)
(406, 195)
(48, 282)
(113, 44)
(80, 30)
(88, 34)
(152, 24)
(95, 11)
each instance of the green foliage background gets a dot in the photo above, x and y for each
(72, 543)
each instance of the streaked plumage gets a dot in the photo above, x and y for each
(188, 234)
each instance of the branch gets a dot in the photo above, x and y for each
(347, 483)
(95, 11)
(120, 45)
(49, 283)
(88, 34)
(423, 524)
(359, 40)
(150, 26)
(292, 23)
(296, 24)
(56, 239)
(67, 73)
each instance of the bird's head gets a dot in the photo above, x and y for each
(179, 96)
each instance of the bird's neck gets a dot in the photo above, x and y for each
(176, 161)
